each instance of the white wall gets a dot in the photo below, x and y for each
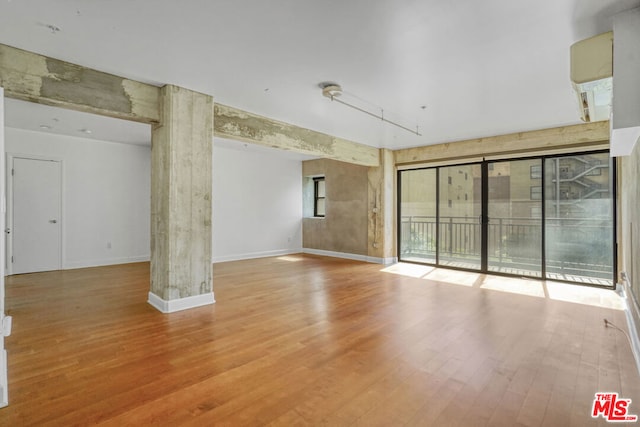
(257, 199)
(257, 204)
(106, 196)
(4, 395)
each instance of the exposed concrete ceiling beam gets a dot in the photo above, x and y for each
(240, 125)
(32, 77)
(579, 137)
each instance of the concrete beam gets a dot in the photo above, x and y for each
(32, 77)
(580, 136)
(36, 78)
(239, 125)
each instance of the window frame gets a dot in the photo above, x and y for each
(317, 197)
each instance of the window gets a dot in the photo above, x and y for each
(536, 171)
(536, 193)
(319, 196)
(564, 230)
(536, 212)
(449, 181)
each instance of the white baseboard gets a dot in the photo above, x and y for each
(253, 255)
(102, 262)
(632, 313)
(356, 257)
(174, 305)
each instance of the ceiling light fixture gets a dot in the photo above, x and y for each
(333, 90)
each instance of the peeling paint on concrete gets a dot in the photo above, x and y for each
(145, 100)
(240, 125)
(381, 223)
(77, 85)
(20, 72)
(36, 78)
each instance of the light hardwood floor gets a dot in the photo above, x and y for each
(306, 340)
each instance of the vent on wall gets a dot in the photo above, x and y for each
(591, 74)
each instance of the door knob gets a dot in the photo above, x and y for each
(53, 221)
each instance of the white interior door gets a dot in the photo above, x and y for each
(36, 229)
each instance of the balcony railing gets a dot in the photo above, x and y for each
(576, 249)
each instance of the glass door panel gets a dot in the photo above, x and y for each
(459, 213)
(548, 217)
(579, 218)
(418, 215)
(514, 235)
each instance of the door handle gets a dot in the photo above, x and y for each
(53, 221)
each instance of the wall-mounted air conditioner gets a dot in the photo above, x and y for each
(591, 75)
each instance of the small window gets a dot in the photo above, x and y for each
(319, 196)
(536, 212)
(449, 180)
(449, 203)
(536, 171)
(536, 193)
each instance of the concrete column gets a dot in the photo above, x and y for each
(381, 234)
(181, 175)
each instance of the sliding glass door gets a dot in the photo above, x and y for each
(579, 225)
(459, 214)
(418, 236)
(514, 235)
(545, 217)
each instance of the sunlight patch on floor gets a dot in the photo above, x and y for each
(290, 258)
(532, 288)
(454, 277)
(409, 270)
(574, 293)
(606, 298)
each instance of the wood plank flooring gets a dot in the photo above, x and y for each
(306, 340)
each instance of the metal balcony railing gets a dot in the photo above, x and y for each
(574, 247)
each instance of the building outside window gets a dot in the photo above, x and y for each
(536, 171)
(536, 193)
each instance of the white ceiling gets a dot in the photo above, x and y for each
(479, 68)
(43, 118)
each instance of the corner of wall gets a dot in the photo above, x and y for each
(632, 311)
